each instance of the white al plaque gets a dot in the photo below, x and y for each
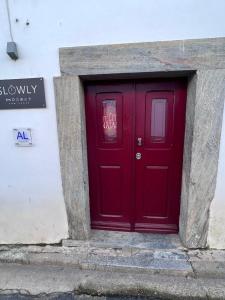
(22, 137)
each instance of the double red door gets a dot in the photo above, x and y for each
(135, 134)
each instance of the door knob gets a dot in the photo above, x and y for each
(138, 155)
(139, 141)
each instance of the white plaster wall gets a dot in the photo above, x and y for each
(31, 202)
(216, 237)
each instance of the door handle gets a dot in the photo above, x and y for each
(138, 155)
(139, 141)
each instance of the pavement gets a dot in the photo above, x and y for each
(112, 267)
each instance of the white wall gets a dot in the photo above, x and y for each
(31, 202)
(216, 238)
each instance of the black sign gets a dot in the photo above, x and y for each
(22, 93)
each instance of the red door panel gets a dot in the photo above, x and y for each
(125, 119)
(156, 192)
(109, 113)
(110, 188)
(160, 111)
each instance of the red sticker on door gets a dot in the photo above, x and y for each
(109, 120)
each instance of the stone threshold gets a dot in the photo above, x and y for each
(110, 251)
(174, 262)
(122, 252)
(128, 240)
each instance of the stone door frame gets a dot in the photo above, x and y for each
(203, 63)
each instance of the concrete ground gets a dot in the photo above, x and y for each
(112, 266)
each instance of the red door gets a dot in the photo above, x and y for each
(135, 134)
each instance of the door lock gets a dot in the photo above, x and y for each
(138, 155)
(139, 141)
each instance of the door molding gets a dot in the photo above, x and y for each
(203, 62)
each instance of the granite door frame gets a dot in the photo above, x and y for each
(203, 63)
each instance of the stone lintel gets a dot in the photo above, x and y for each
(163, 56)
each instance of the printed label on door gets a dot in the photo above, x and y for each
(109, 120)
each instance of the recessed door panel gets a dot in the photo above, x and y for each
(135, 134)
(110, 196)
(155, 192)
